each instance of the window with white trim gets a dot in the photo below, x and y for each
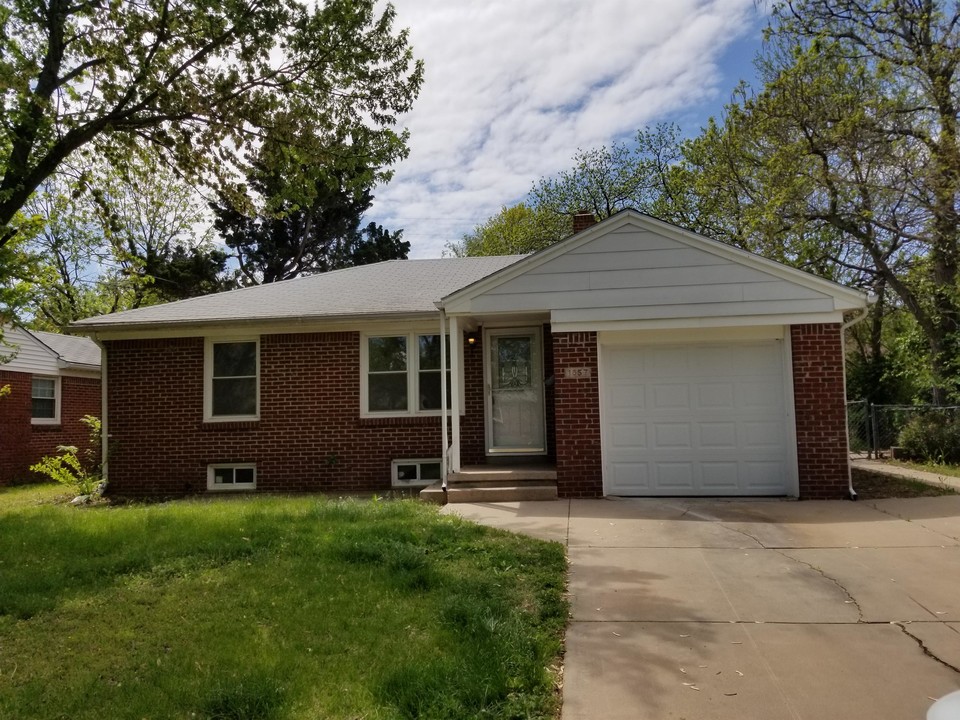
(409, 473)
(231, 382)
(401, 374)
(240, 476)
(45, 400)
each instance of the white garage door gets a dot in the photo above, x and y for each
(695, 419)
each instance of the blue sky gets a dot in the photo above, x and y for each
(514, 87)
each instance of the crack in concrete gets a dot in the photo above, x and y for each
(824, 575)
(873, 505)
(926, 651)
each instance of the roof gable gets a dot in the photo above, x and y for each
(634, 267)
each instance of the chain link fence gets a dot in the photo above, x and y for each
(874, 429)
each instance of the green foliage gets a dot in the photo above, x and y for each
(515, 230)
(278, 239)
(79, 470)
(110, 241)
(846, 161)
(199, 86)
(601, 181)
(932, 436)
(605, 180)
(155, 604)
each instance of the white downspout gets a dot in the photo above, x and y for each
(846, 425)
(444, 420)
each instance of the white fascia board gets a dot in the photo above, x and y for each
(845, 298)
(557, 324)
(279, 326)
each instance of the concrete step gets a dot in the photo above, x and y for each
(467, 492)
(491, 473)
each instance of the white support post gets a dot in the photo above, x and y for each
(456, 372)
(444, 413)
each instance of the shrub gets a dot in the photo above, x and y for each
(79, 470)
(932, 437)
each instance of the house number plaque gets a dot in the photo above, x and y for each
(577, 372)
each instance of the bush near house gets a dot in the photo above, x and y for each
(932, 437)
(272, 608)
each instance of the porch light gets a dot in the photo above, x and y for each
(471, 339)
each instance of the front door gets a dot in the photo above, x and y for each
(515, 410)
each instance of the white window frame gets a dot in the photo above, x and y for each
(395, 481)
(413, 376)
(208, 344)
(211, 473)
(55, 420)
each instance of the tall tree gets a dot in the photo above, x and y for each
(282, 239)
(515, 230)
(601, 181)
(197, 82)
(846, 161)
(107, 242)
(605, 180)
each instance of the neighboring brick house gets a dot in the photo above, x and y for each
(633, 358)
(54, 380)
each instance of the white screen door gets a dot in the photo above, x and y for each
(515, 414)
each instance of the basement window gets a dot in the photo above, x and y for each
(240, 476)
(415, 473)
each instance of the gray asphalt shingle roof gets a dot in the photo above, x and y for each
(70, 348)
(386, 288)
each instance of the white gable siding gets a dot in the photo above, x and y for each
(635, 273)
(31, 356)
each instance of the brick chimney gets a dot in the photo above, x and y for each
(582, 220)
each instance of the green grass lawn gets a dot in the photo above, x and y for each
(270, 607)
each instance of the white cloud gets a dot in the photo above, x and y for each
(514, 88)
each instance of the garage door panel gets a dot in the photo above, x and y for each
(715, 395)
(761, 477)
(628, 435)
(717, 436)
(627, 396)
(670, 396)
(631, 477)
(672, 436)
(665, 362)
(698, 418)
(674, 475)
(719, 477)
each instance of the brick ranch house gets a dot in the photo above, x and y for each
(633, 358)
(54, 381)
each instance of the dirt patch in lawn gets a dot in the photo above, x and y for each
(874, 486)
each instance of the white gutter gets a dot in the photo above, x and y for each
(843, 352)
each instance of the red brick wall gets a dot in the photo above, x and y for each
(473, 441)
(309, 437)
(579, 461)
(21, 443)
(822, 455)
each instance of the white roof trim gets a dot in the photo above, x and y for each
(844, 298)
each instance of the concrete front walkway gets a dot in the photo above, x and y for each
(705, 609)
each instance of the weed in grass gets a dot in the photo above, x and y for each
(248, 698)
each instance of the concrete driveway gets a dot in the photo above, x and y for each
(753, 609)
